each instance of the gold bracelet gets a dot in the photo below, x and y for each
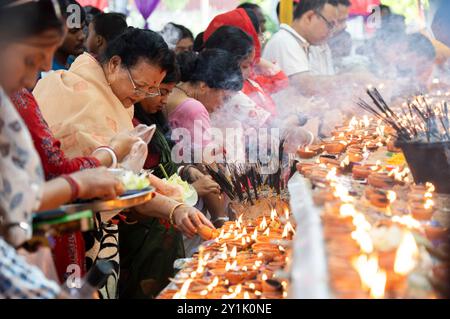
(172, 211)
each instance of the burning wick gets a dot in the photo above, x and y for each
(407, 255)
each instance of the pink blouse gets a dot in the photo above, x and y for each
(192, 116)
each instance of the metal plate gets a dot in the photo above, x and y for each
(122, 202)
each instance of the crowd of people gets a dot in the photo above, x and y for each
(74, 95)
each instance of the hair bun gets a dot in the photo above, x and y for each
(188, 62)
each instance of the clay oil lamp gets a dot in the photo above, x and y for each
(361, 172)
(275, 265)
(238, 275)
(335, 147)
(321, 196)
(422, 212)
(347, 249)
(309, 151)
(167, 294)
(207, 233)
(436, 232)
(304, 168)
(355, 157)
(380, 198)
(386, 240)
(381, 180)
(331, 161)
(420, 193)
(269, 236)
(318, 176)
(392, 148)
(373, 145)
(272, 286)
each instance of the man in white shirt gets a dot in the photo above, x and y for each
(301, 49)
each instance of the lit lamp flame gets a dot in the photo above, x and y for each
(267, 232)
(366, 121)
(273, 214)
(288, 229)
(347, 210)
(255, 235)
(233, 252)
(379, 285)
(372, 278)
(407, 255)
(286, 214)
(364, 241)
(407, 221)
(391, 196)
(345, 162)
(331, 176)
(182, 293)
(263, 223)
(429, 203)
(213, 284)
(353, 123)
(430, 187)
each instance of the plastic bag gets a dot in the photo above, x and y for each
(135, 160)
(144, 132)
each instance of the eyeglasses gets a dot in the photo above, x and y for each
(331, 25)
(55, 4)
(139, 92)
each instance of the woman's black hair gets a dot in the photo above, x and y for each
(254, 18)
(136, 44)
(22, 21)
(173, 75)
(198, 42)
(231, 39)
(217, 68)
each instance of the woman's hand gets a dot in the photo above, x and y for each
(265, 67)
(122, 144)
(97, 183)
(206, 185)
(187, 219)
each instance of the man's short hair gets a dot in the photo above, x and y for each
(314, 5)
(109, 25)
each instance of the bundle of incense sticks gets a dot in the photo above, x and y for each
(416, 121)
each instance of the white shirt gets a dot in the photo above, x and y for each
(289, 50)
(295, 55)
(321, 60)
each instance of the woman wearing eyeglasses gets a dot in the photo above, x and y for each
(93, 101)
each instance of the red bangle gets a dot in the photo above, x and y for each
(74, 187)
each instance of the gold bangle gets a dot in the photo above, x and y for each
(172, 211)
